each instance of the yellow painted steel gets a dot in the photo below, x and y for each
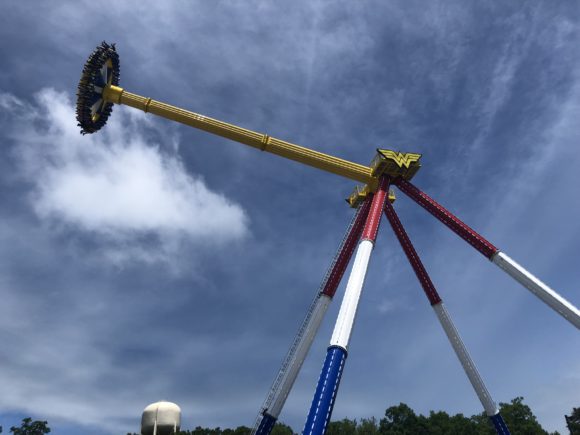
(395, 164)
(353, 171)
(360, 193)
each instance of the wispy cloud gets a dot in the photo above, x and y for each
(116, 184)
(486, 92)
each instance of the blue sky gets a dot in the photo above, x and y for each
(150, 261)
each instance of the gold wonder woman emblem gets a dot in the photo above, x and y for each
(395, 164)
(401, 159)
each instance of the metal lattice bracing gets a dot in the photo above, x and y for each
(311, 324)
(329, 380)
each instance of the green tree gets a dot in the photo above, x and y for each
(573, 421)
(482, 424)
(367, 426)
(520, 419)
(240, 430)
(440, 423)
(282, 429)
(201, 431)
(29, 427)
(342, 427)
(402, 420)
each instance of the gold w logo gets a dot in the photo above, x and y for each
(401, 159)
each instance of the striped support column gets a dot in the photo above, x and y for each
(499, 424)
(327, 387)
(445, 320)
(266, 424)
(537, 287)
(310, 326)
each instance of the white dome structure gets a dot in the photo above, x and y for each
(161, 418)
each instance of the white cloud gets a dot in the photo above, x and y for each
(115, 183)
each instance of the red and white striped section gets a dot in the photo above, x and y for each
(442, 314)
(516, 271)
(292, 364)
(314, 318)
(327, 387)
(348, 308)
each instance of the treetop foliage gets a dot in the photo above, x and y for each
(573, 421)
(402, 420)
(29, 427)
(397, 420)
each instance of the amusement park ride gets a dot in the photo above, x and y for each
(99, 89)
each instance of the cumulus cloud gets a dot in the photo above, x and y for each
(117, 184)
(132, 196)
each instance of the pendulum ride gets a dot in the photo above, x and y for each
(99, 89)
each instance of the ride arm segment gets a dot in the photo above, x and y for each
(301, 346)
(329, 380)
(445, 216)
(335, 165)
(549, 296)
(445, 319)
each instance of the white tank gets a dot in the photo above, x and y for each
(161, 418)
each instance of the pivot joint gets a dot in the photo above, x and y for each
(361, 193)
(113, 94)
(395, 164)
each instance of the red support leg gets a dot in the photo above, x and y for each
(414, 259)
(445, 216)
(446, 322)
(341, 261)
(502, 260)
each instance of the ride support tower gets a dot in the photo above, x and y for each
(444, 318)
(500, 259)
(311, 324)
(329, 380)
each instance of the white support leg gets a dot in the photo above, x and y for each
(302, 348)
(348, 308)
(466, 361)
(537, 287)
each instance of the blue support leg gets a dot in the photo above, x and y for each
(266, 424)
(326, 389)
(500, 426)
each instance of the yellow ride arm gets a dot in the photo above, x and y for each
(353, 171)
